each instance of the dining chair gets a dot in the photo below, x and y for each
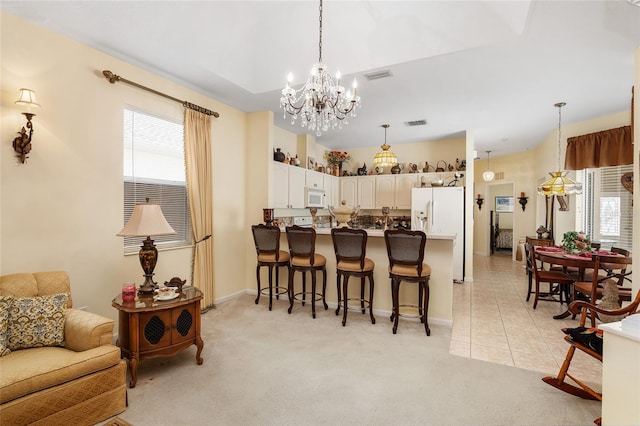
(614, 270)
(535, 242)
(350, 246)
(267, 242)
(302, 249)
(405, 250)
(561, 280)
(588, 341)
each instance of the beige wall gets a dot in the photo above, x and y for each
(62, 209)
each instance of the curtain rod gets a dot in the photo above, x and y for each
(113, 78)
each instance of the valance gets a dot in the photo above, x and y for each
(611, 147)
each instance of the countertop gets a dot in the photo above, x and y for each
(380, 233)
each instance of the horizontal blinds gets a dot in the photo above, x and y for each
(154, 170)
(609, 208)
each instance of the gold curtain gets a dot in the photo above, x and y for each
(611, 147)
(197, 147)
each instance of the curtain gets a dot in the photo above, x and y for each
(611, 147)
(197, 147)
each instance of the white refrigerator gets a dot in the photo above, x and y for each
(440, 210)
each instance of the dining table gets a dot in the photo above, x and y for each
(559, 256)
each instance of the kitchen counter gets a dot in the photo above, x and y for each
(438, 255)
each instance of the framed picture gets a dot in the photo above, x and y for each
(504, 204)
(311, 163)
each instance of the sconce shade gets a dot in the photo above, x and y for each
(27, 98)
(146, 220)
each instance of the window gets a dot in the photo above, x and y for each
(154, 169)
(605, 208)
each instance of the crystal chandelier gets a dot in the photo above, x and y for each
(559, 184)
(322, 102)
(488, 175)
(385, 158)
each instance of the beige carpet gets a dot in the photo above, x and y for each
(271, 368)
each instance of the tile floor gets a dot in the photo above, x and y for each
(492, 321)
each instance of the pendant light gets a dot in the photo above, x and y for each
(488, 175)
(385, 158)
(559, 184)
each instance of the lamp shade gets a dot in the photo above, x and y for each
(146, 220)
(488, 176)
(385, 158)
(559, 184)
(27, 98)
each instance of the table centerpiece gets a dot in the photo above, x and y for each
(576, 242)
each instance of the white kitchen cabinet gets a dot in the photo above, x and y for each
(288, 186)
(348, 190)
(394, 191)
(366, 192)
(331, 190)
(314, 179)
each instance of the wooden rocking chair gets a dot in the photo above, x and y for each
(586, 310)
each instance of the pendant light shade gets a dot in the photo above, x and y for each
(385, 158)
(559, 184)
(488, 175)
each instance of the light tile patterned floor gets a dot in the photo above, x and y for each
(492, 321)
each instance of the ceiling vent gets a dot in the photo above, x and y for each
(415, 123)
(378, 75)
(499, 176)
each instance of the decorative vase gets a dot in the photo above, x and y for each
(278, 155)
(336, 169)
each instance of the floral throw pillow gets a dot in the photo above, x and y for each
(5, 303)
(36, 321)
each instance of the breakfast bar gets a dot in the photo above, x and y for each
(438, 255)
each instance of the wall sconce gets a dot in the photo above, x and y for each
(22, 143)
(479, 202)
(523, 200)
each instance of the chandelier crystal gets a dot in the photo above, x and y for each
(559, 184)
(385, 158)
(321, 103)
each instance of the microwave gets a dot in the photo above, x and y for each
(313, 197)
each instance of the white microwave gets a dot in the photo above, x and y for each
(313, 197)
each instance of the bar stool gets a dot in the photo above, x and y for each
(406, 255)
(350, 246)
(302, 247)
(267, 241)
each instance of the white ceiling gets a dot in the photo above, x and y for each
(495, 68)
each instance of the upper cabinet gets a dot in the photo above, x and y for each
(288, 186)
(314, 179)
(394, 191)
(348, 190)
(366, 192)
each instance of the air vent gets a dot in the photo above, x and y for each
(499, 176)
(415, 123)
(378, 74)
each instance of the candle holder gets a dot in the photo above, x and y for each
(267, 216)
(523, 201)
(479, 202)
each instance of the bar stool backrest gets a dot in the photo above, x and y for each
(266, 239)
(349, 245)
(302, 242)
(405, 247)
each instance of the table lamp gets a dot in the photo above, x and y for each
(145, 221)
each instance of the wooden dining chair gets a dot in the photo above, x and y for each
(606, 269)
(532, 242)
(558, 281)
(577, 339)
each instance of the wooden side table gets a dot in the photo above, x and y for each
(149, 328)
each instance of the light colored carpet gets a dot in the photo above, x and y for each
(271, 368)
